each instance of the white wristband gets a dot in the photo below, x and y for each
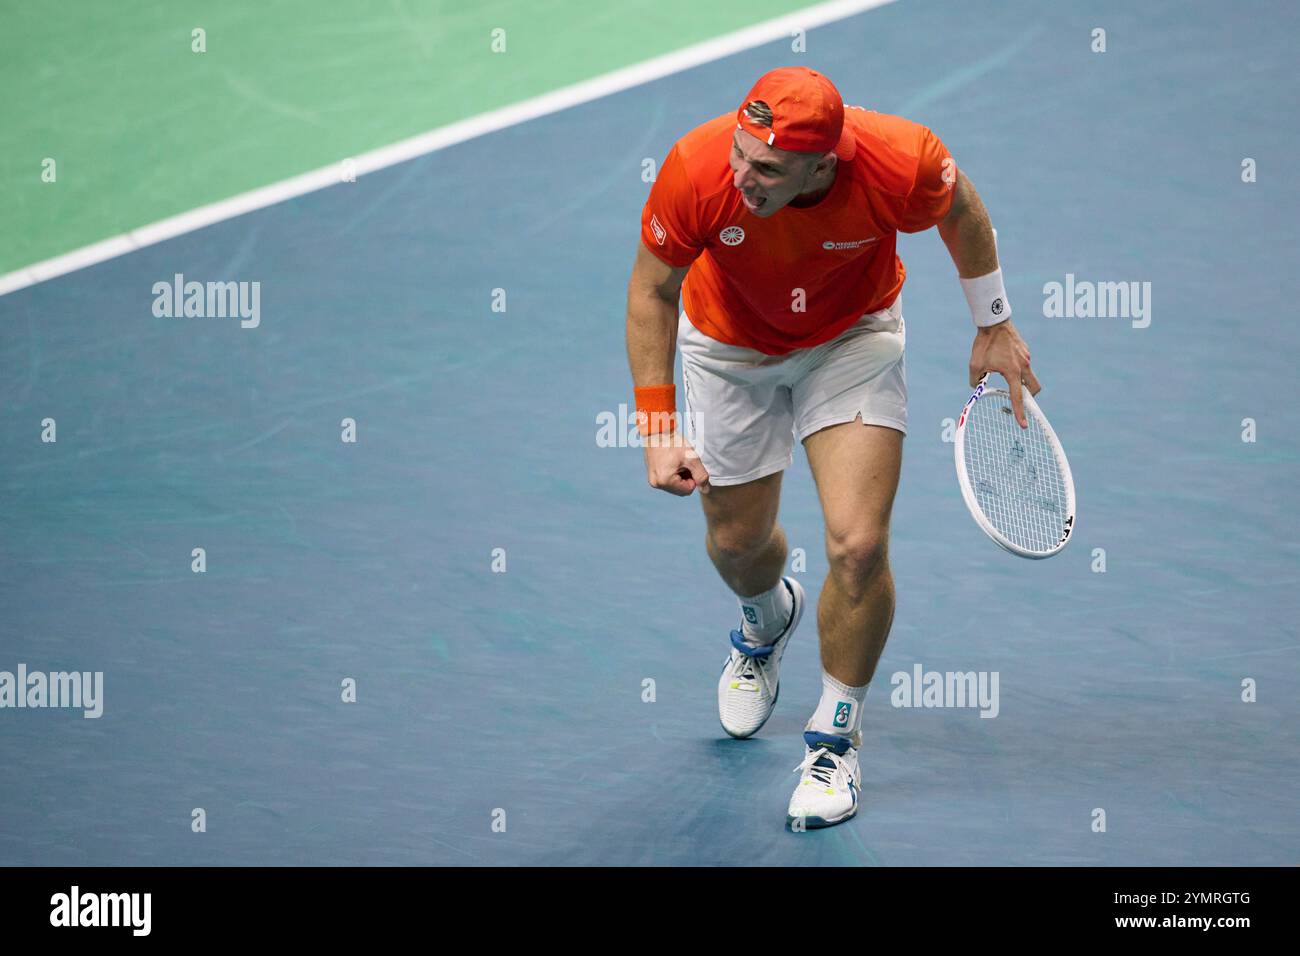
(987, 298)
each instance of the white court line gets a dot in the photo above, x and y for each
(440, 138)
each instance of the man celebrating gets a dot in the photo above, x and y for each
(778, 226)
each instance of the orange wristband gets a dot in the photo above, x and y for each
(656, 409)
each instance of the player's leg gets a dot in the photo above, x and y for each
(856, 468)
(741, 425)
(748, 548)
(744, 540)
(851, 412)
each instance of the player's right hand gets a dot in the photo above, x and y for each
(671, 465)
(999, 348)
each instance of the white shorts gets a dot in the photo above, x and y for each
(745, 408)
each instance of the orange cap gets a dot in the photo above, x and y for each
(807, 113)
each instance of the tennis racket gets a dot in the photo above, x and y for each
(1016, 481)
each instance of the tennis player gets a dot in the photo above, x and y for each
(777, 225)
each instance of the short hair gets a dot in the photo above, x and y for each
(759, 112)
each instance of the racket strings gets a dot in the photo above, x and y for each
(1017, 480)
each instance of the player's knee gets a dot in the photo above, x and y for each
(857, 556)
(737, 543)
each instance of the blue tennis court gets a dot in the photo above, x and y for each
(501, 586)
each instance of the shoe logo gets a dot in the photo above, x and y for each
(842, 710)
(732, 236)
(751, 614)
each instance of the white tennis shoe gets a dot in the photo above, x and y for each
(827, 793)
(750, 685)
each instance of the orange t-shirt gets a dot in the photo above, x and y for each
(746, 272)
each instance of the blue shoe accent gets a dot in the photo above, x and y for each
(835, 744)
(738, 642)
(738, 637)
(832, 742)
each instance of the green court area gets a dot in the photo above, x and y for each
(140, 126)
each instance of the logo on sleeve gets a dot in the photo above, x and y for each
(660, 234)
(732, 236)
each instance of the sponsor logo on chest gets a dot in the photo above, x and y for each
(831, 244)
(735, 235)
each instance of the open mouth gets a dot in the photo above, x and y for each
(753, 203)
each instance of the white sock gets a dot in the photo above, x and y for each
(840, 709)
(766, 615)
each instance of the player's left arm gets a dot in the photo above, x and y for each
(968, 234)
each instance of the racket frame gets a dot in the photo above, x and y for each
(983, 390)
